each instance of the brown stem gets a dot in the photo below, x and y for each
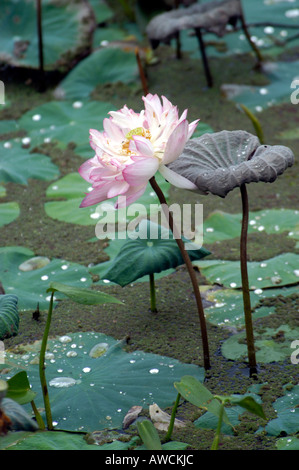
(248, 37)
(190, 269)
(245, 283)
(141, 72)
(42, 85)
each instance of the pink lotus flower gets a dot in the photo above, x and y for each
(133, 147)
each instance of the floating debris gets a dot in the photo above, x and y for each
(161, 419)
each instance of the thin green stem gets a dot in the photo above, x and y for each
(42, 373)
(153, 293)
(190, 269)
(37, 415)
(172, 418)
(245, 282)
(218, 430)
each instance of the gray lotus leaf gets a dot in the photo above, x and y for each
(212, 16)
(217, 163)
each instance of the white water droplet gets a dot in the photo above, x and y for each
(62, 382)
(36, 117)
(77, 104)
(258, 291)
(86, 369)
(154, 371)
(65, 339)
(71, 354)
(233, 284)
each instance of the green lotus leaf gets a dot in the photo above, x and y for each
(83, 295)
(224, 226)
(94, 393)
(287, 409)
(225, 306)
(154, 250)
(282, 270)
(9, 211)
(272, 345)
(73, 187)
(58, 440)
(17, 165)
(67, 28)
(30, 286)
(9, 316)
(19, 388)
(64, 122)
(107, 65)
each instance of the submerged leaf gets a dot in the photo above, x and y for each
(217, 163)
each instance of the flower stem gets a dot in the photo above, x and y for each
(215, 443)
(245, 283)
(42, 374)
(172, 418)
(153, 293)
(190, 269)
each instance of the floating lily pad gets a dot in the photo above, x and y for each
(49, 440)
(92, 393)
(272, 345)
(282, 270)
(64, 122)
(287, 409)
(7, 126)
(9, 211)
(107, 65)
(67, 28)
(18, 165)
(288, 443)
(72, 187)
(30, 286)
(226, 305)
(280, 75)
(224, 226)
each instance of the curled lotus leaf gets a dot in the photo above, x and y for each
(217, 163)
(212, 16)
